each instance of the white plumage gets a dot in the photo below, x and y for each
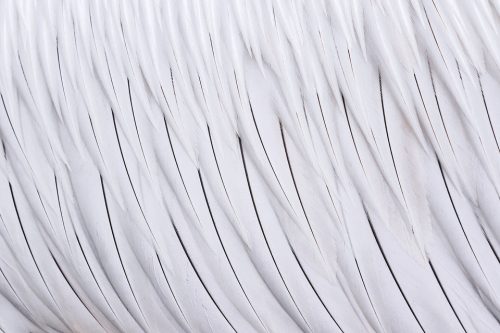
(266, 165)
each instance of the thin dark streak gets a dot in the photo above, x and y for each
(434, 35)
(25, 78)
(33, 257)
(93, 275)
(202, 91)
(264, 234)
(92, 29)
(388, 138)
(340, 63)
(125, 43)
(199, 277)
(16, 295)
(135, 123)
(326, 128)
(119, 295)
(179, 169)
(295, 185)
(315, 291)
(352, 135)
(220, 173)
(74, 291)
(166, 100)
(456, 212)
(488, 112)
(111, 79)
(446, 295)
(28, 244)
(110, 76)
(95, 138)
(118, 252)
(173, 88)
(60, 71)
(350, 61)
(490, 244)
(460, 74)
(237, 86)
(265, 152)
(439, 107)
(213, 55)
(12, 127)
(60, 209)
(224, 248)
(44, 209)
(171, 290)
(391, 271)
(366, 289)
(425, 108)
(128, 176)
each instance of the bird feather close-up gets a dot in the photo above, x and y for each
(250, 166)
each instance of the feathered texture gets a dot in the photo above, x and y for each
(266, 165)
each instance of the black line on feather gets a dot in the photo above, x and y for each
(25, 78)
(460, 74)
(135, 123)
(173, 88)
(488, 112)
(446, 295)
(110, 76)
(179, 169)
(265, 153)
(490, 244)
(314, 289)
(119, 295)
(326, 128)
(433, 34)
(391, 271)
(350, 61)
(199, 277)
(425, 108)
(218, 168)
(264, 234)
(295, 186)
(456, 214)
(352, 135)
(118, 252)
(28, 245)
(60, 208)
(95, 138)
(44, 209)
(171, 290)
(388, 138)
(93, 275)
(60, 71)
(18, 298)
(92, 29)
(213, 55)
(439, 107)
(12, 127)
(166, 100)
(366, 289)
(74, 291)
(237, 86)
(223, 247)
(128, 176)
(125, 43)
(202, 91)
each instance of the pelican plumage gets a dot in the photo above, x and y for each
(249, 166)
